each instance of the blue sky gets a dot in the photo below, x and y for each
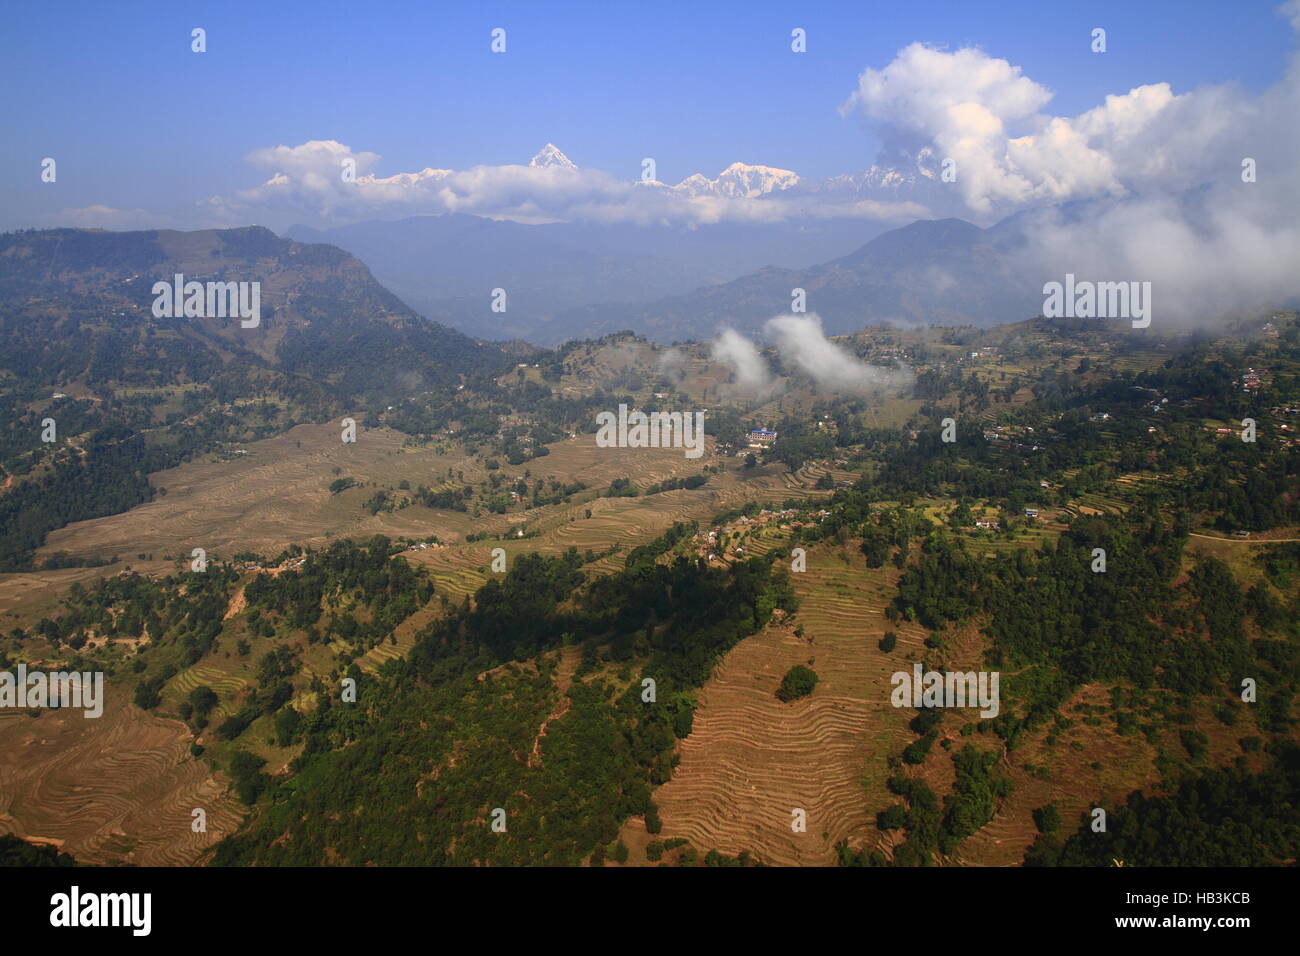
(136, 120)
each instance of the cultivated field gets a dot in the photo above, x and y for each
(752, 759)
(117, 789)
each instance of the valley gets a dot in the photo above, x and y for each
(510, 678)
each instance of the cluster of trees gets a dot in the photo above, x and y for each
(933, 827)
(1061, 624)
(390, 590)
(447, 498)
(690, 483)
(272, 691)
(181, 610)
(15, 851)
(798, 681)
(1222, 817)
(648, 553)
(594, 766)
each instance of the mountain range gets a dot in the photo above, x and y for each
(579, 280)
(446, 266)
(942, 272)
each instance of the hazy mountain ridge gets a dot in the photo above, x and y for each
(322, 312)
(943, 272)
(446, 267)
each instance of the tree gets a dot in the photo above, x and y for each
(1047, 819)
(892, 818)
(203, 698)
(148, 693)
(798, 682)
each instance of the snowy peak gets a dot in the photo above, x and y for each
(740, 181)
(875, 178)
(549, 157)
(405, 179)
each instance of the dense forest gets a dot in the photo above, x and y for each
(1222, 817)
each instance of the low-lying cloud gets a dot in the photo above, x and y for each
(802, 344)
(749, 369)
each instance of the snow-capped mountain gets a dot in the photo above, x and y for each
(874, 178)
(406, 179)
(549, 156)
(739, 181)
(913, 178)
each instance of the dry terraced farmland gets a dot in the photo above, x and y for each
(116, 789)
(751, 759)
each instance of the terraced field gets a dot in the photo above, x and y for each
(221, 679)
(461, 569)
(31, 595)
(117, 789)
(751, 759)
(1090, 765)
(121, 788)
(278, 493)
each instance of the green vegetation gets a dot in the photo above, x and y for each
(798, 682)
(430, 717)
(20, 853)
(1223, 817)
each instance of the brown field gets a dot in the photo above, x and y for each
(275, 495)
(32, 595)
(751, 759)
(278, 494)
(118, 789)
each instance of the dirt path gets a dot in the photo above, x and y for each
(237, 604)
(568, 664)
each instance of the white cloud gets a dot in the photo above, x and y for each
(1159, 174)
(748, 366)
(1291, 10)
(984, 114)
(800, 343)
(799, 339)
(306, 182)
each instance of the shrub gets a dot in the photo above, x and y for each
(798, 682)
